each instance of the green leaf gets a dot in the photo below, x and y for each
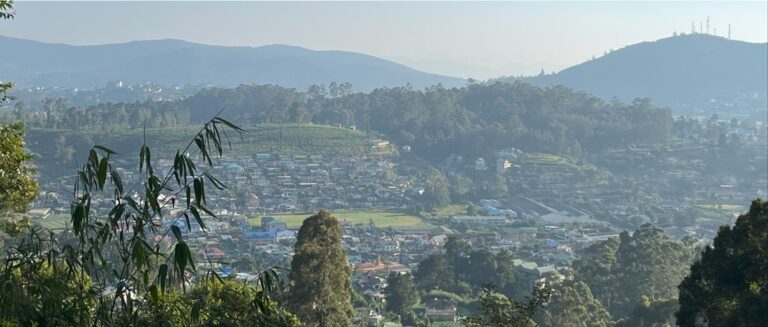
(216, 183)
(78, 217)
(181, 257)
(228, 124)
(196, 213)
(198, 185)
(101, 174)
(196, 310)
(162, 275)
(117, 181)
(176, 232)
(142, 154)
(105, 149)
(153, 293)
(208, 212)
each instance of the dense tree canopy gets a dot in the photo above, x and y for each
(401, 295)
(728, 286)
(572, 304)
(646, 263)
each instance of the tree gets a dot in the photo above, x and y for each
(572, 304)
(6, 12)
(460, 186)
(320, 287)
(434, 273)
(647, 313)
(483, 267)
(500, 311)
(17, 184)
(728, 286)
(401, 294)
(298, 114)
(497, 187)
(647, 263)
(436, 191)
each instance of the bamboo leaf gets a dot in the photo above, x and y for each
(162, 274)
(198, 185)
(196, 213)
(105, 149)
(176, 232)
(102, 172)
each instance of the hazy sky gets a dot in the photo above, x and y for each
(467, 39)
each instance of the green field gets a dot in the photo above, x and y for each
(381, 217)
(54, 222)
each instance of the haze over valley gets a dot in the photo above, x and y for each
(197, 170)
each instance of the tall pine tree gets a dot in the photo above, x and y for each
(320, 275)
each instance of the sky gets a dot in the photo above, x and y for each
(465, 39)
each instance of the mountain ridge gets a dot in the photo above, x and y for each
(179, 62)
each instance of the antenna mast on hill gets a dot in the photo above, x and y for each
(707, 24)
(729, 31)
(693, 28)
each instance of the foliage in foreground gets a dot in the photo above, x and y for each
(500, 311)
(130, 265)
(729, 285)
(17, 185)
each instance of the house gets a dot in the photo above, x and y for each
(519, 234)
(480, 164)
(379, 267)
(441, 310)
(481, 220)
(258, 237)
(529, 274)
(273, 225)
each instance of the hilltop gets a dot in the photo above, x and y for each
(677, 70)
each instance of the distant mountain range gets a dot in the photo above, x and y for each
(174, 62)
(677, 70)
(680, 70)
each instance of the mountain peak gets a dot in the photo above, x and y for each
(671, 71)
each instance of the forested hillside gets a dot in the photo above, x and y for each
(435, 122)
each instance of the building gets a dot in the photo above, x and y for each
(529, 274)
(481, 220)
(480, 164)
(441, 310)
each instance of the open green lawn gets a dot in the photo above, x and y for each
(724, 214)
(54, 222)
(381, 217)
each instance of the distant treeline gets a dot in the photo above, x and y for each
(477, 119)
